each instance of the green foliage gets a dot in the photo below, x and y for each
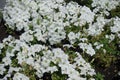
(40, 53)
(38, 21)
(59, 76)
(52, 64)
(104, 60)
(3, 51)
(9, 30)
(115, 12)
(30, 26)
(71, 55)
(99, 76)
(76, 29)
(14, 62)
(28, 71)
(110, 47)
(35, 41)
(73, 28)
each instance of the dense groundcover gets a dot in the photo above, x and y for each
(60, 40)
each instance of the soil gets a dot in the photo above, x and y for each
(4, 33)
(110, 72)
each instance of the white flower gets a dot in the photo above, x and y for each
(104, 5)
(27, 37)
(87, 48)
(21, 57)
(37, 47)
(40, 36)
(73, 8)
(26, 2)
(116, 27)
(76, 78)
(8, 39)
(67, 45)
(59, 56)
(72, 37)
(110, 37)
(6, 60)
(45, 62)
(9, 54)
(98, 45)
(1, 46)
(59, 1)
(49, 69)
(11, 69)
(97, 27)
(86, 15)
(19, 76)
(16, 16)
(49, 19)
(119, 73)
(83, 66)
(56, 33)
(52, 69)
(33, 5)
(2, 69)
(30, 61)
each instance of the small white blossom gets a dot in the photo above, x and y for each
(86, 12)
(2, 69)
(27, 37)
(87, 48)
(73, 37)
(116, 27)
(6, 60)
(19, 76)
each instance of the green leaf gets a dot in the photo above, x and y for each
(58, 76)
(99, 76)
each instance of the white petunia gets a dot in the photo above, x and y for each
(73, 37)
(27, 37)
(12, 69)
(2, 69)
(40, 36)
(30, 61)
(19, 76)
(97, 28)
(116, 27)
(1, 46)
(87, 48)
(86, 15)
(6, 60)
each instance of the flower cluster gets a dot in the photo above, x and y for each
(46, 24)
(40, 58)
